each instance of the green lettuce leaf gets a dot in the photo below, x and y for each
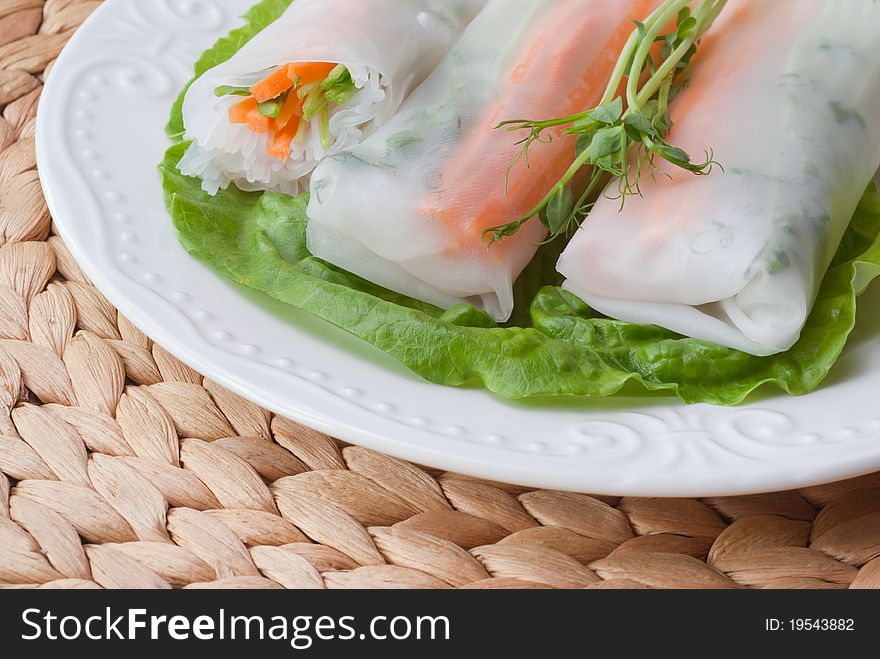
(558, 347)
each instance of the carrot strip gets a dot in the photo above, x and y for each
(273, 85)
(258, 122)
(238, 113)
(292, 107)
(309, 72)
(280, 146)
(289, 75)
(288, 124)
(453, 204)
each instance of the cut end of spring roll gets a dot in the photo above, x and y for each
(787, 95)
(313, 83)
(248, 156)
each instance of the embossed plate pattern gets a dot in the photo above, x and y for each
(100, 136)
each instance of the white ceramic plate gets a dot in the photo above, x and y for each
(100, 137)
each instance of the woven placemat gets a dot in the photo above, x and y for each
(120, 467)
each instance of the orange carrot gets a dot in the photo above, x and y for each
(309, 72)
(280, 147)
(453, 202)
(285, 77)
(273, 85)
(292, 107)
(258, 122)
(238, 113)
(286, 127)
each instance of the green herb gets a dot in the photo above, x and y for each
(272, 109)
(622, 137)
(402, 139)
(227, 90)
(314, 103)
(844, 115)
(339, 86)
(324, 127)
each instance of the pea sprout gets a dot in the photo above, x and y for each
(622, 137)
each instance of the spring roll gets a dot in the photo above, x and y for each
(407, 208)
(314, 82)
(787, 95)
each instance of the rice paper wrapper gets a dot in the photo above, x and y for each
(787, 96)
(389, 47)
(407, 208)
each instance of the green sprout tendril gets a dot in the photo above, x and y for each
(621, 138)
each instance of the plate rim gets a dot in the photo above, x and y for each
(477, 461)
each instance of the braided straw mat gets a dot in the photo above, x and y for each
(120, 467)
